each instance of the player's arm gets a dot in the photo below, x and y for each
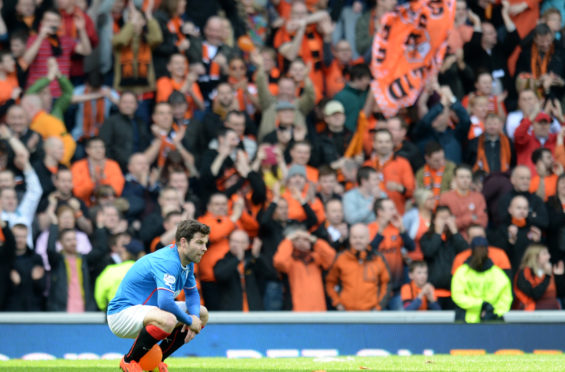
(192, 297)
(166, 302)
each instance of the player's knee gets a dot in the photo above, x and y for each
(168, 322)
(203, 315)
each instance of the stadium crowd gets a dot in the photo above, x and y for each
(259, 118)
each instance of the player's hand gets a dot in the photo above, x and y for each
(189, 334)
(196, 325)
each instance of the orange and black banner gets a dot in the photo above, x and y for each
(408, 48)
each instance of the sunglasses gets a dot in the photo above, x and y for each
(284, 128)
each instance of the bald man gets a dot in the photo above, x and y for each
(18, 121)
(520, 179)
(362, 273)
(48, 125)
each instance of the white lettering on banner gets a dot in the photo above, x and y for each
(319, 353)
(283, 353)
(372, 352)
(428, 352)
(38, 356)
(4, 357)
(243, 353)
(404, 352)
(112, 356)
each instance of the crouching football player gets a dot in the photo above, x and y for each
(144, 307)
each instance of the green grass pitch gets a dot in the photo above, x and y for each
(495, 363)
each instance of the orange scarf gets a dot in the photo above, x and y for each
(239, 95)
(520, 222)
(432, 180)
(505, 154)
(135, 66)
(175, 27)
(241, 270)
(214, 67)
(91, 123)
(537, 64)
(167, 146)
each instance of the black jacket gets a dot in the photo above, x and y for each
(439, 255)
(28, 295)
(58, 288)
(118, 135)
(229, 281)
(7, 255)
(555, 232)
(537, 215)
(498, 237)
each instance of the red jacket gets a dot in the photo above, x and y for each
(526, 142)
(69, 29)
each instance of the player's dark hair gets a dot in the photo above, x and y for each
(188, 228)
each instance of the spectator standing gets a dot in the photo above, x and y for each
(361, 274)
(303, 257)
(27, 278)
(124, 133)
(476, 304)
(440, 245)
(468, 207)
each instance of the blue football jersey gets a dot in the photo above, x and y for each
(161, 270)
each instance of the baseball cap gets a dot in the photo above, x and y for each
(285, 105)
(479, 241)
(134, 247)
(542, 116)
(333, 107)
(296, 170)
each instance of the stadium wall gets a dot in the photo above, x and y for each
(256, 335)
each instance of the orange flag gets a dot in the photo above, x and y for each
(409, 48)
